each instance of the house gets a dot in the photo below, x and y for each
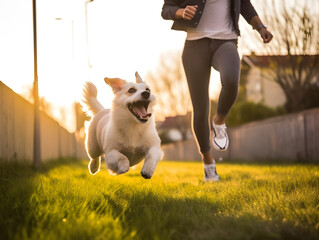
(176, 128)
(258, 72)
(259, 85)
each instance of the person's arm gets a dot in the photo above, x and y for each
(249, 13)
(257, 24)
(171, 11)
(186, 13)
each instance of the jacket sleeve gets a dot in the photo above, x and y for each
(247, 10)
(169, 9)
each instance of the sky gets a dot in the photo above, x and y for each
(122, 37)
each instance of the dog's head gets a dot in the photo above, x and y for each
(133, 99)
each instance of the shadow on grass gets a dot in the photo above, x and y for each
(10, 168)
(17, 185)
(149, 216)
(146, 214)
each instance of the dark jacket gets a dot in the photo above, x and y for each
(243, 7)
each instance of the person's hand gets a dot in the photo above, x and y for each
(187, 13)
(265, 35)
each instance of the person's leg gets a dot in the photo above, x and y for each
(197, 65)
(226, 61)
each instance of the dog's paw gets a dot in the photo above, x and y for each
(122, 170)
(94, 166)
(146, 175)
(123, 166)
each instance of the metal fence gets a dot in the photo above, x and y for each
(293, 137)
(16, 132)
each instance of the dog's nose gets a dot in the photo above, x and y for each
(146, 94)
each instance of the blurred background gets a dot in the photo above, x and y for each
(86, 40)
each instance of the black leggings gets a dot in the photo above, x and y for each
(198, 58)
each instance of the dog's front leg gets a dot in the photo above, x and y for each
(117, 162)
(153, 156)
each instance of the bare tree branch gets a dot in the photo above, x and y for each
(170, 86)
(294, 49)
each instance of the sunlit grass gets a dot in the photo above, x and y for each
(252, 201)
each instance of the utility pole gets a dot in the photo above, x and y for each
(36, 139)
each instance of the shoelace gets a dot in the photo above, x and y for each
(220, 131)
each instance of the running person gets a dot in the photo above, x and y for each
(212, 33)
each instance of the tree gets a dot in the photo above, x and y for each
(294, 62)
(169, 85)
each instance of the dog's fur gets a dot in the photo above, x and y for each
(124, 134)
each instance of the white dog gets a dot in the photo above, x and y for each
(126, 133)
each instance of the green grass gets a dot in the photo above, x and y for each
(252, 201)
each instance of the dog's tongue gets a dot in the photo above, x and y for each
(141, 111)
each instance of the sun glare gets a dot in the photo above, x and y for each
(71, 52)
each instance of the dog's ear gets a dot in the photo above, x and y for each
(138, 78)
(115, 83)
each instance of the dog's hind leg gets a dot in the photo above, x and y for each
(117, 162)
(92, 146)
(95, 165)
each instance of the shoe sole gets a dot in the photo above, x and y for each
(218, 148)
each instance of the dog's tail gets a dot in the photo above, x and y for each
(90, 102)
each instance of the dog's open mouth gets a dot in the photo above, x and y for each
(139, 110)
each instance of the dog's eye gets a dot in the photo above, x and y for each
(147, 89)
(132, 90)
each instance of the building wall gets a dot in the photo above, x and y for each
(262, 89)
(16, 132)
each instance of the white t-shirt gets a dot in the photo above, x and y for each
(215, 22)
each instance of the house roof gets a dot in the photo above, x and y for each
(264, 61)
(173, 122)
(169, 122)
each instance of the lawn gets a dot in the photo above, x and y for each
(252, 201)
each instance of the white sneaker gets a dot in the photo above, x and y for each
(220, 137)
(210, 173)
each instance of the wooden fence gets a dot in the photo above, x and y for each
(16, 132)
(293, 137)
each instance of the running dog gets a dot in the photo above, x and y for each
(124, 134)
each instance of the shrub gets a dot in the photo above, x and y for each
(246, 111)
